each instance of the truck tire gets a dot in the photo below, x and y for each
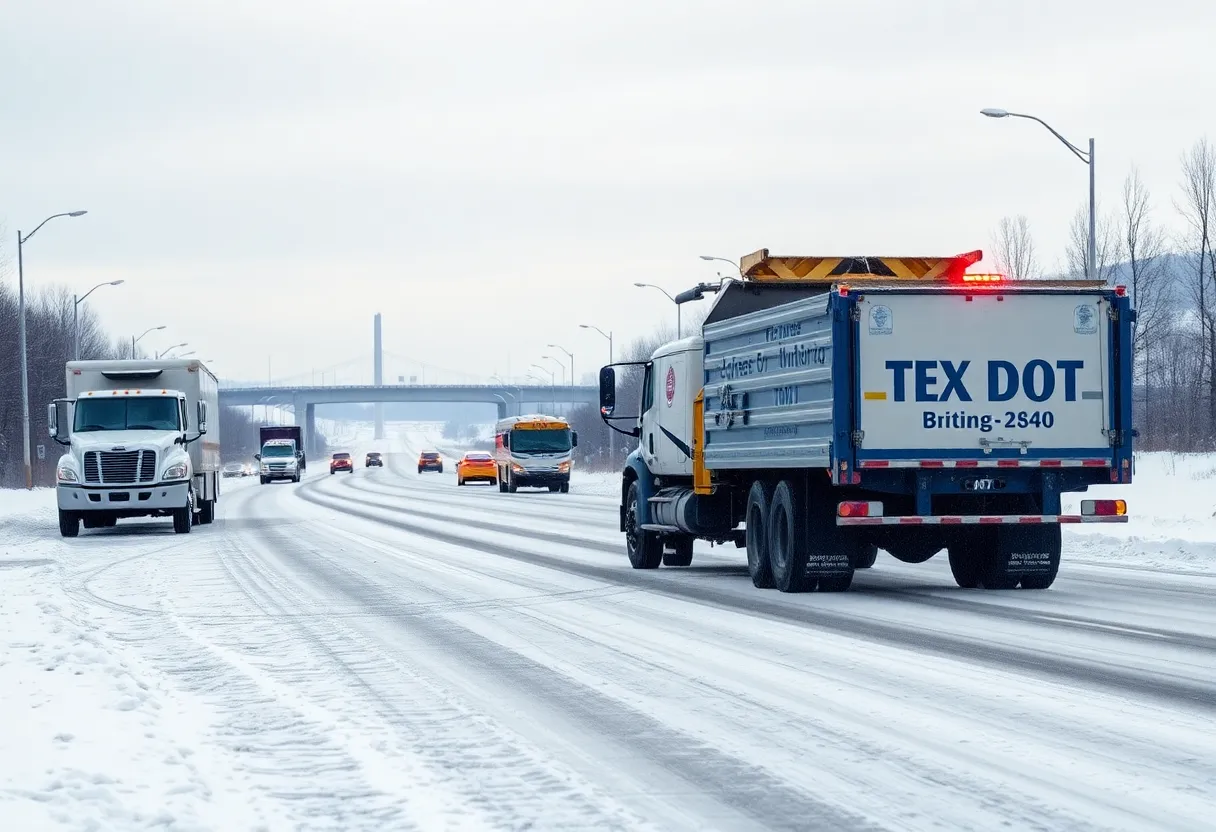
(759, 499)
(867, 553)
(968, 555)
(788, 547)
(681, 554)
(645, 548)
(69, 523)
(264, 480)
(110, 522)
(565, 488)
(502, 483)
(183, 518)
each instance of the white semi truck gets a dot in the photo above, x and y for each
(138, 443)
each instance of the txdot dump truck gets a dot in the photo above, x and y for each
(138, 443)
(832, 406)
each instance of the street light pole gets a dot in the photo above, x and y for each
(25, 363)
(135, 340)
(611, 432)
(570, 406)
(679, 328)
(1091, 250)
(165, 354)
(724, 260)
(76, 315)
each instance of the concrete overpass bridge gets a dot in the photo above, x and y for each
(509, 399)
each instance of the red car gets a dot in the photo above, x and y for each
(341, 462)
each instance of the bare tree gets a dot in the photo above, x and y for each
(1014, 249)
(1198, 208)
(1076, 256)
(1144, 251)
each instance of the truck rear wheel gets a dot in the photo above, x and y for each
(681, 551)
(645, 548)
(69, 523)
(1029, 555)
(759, 499)
(788, 548)
(968, 556)
(867, 553)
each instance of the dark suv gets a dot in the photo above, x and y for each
(430, 461)
(373, 461)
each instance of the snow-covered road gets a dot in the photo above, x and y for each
(384, 650)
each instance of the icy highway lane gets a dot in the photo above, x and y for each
(385, 650)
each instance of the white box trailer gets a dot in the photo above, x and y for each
(138, 443)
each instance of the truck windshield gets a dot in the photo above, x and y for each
(278, 450)
(127, 413)
(540, 441)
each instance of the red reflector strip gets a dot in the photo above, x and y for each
(985, 463)
(986, 520)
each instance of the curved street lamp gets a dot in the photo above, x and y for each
(76, 301)
(1091, 254)
(135, 340)
(21, 342)
(679, 328)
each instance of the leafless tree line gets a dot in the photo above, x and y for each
(1171, 278)
(49, 339)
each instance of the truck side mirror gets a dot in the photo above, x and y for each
(56, 422)
(607, 390)
(52, 420)
(258, 457)
(202, 418)
(573, 439)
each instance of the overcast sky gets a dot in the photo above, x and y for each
(267, 175)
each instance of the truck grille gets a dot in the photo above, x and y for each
(120, 467)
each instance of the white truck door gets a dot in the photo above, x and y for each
(965, 372)
(674, 387)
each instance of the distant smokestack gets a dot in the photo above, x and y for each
(378, 371)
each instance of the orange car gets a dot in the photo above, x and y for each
(430, 461)
(474, 466)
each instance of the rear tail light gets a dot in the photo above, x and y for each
(1103, 508)
(983, 278)
(859, 508)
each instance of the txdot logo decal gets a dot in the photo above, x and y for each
(671, 385)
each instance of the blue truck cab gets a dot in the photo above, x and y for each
(834, 406)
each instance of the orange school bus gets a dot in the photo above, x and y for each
(534, 452)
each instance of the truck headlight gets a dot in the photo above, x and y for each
(517, 468)
(176, 472)
(65, 474)
(563, 467)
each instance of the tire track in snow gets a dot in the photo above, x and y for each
(983, 650)
(700, 771)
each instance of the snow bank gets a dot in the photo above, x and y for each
(93, 741)
(1171, 503)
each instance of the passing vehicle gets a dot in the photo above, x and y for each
(341, 462)
(835, 406)
(374, 460)
(430, 461)
(476, 466)
(534, 452)
(235, 469)
(279, 460)
(138, 443)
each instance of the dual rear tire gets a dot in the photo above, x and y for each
(793, 542)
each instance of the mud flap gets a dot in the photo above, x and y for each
(1028, 554)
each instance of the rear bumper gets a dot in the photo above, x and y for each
(539, 478)
(133, 501)
(478, 473)
(430, 466)
(978, 520)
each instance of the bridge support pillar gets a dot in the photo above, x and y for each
(310, 429)
(502, 410)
